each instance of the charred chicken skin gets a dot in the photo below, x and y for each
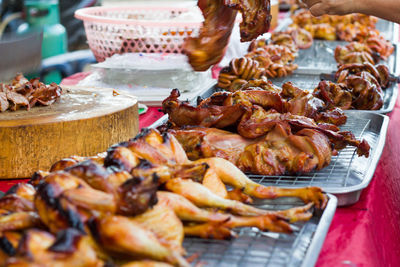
(270, 140)
(134, 206)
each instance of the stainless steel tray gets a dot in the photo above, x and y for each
(255, 248)
(388, 29)
(347, 174)
(310, 81)
(320, 58)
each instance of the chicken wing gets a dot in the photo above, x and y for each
(68, 248)
(124, 237)
(162, 221)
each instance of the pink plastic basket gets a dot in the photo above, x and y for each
(146, 29)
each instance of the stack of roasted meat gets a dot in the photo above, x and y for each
(133, 206)
(366, 43)
(262, 129)
(23, 93)
(371, 51)
(356, 86)
(272, 60)
(219, 18)
(352, 27)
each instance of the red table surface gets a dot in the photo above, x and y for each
(364, 234)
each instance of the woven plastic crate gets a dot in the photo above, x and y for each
(146, 29)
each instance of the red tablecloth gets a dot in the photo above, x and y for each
(368, 233)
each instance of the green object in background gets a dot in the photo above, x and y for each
(45, 14)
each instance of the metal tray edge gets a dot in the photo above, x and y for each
(320, 233)
(392, 102)
(395, 37)
(377, 155)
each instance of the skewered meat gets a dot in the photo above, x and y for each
(24, 93)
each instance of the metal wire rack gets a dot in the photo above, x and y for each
(255, 248)
(346, 169)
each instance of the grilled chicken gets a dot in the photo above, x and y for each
(125, 237)
(92, 212)
(68, 248)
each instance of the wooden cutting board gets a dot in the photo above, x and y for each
(84, 122)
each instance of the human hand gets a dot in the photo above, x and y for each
(332, 7)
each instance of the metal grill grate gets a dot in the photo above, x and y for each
(346, 169)
(255, 248)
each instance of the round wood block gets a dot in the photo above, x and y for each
(84, 121)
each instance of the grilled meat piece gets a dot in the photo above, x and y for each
(219, 17)
(256, 17)
(23, 93)
(209, 47)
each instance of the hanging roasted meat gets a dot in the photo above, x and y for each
(219, 17)
(209, 47)
(256, 17)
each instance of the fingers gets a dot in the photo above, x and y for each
(331, 7)
(318, 9)
(310, 3)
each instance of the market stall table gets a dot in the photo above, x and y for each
(364, 234)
